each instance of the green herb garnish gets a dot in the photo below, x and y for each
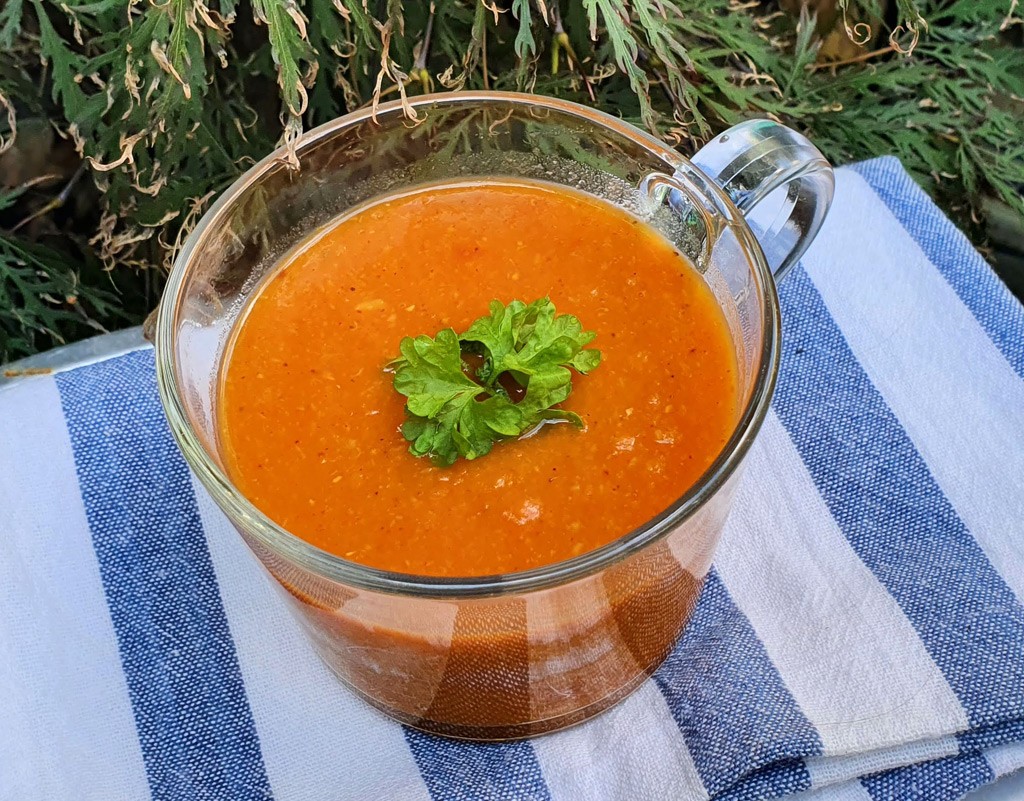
(452, 414)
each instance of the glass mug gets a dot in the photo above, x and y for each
(505, 656)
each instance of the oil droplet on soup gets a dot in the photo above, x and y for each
(309, 421)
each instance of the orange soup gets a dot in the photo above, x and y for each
(310, 421)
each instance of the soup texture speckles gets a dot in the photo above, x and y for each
(309, 419)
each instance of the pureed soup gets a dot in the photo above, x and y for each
(310, 424)
(309, 417)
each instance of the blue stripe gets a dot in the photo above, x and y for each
(949, 778)
(458, 770)
(995, 308)
(727, 698)
(774, 781)
(193, 719)
(892, 512)
(992, 736)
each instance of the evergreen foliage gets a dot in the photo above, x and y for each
(137, 112)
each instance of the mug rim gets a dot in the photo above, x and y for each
(245, 515)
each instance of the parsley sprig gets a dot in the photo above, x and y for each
(451, 414)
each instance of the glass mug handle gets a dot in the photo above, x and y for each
(758, 158)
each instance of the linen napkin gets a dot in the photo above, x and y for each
(861, 635)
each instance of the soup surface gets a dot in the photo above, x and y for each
(309, 418)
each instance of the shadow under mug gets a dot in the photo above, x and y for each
(506, 656)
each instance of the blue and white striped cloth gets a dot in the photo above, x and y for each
(861, 635)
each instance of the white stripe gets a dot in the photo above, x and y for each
(694, 545)
(434, 623)
(955, 395)
(1008, 788)
(633, 752)
(68, 730)
(839, 640)
(578, 615)
(319, 741)
(832, 770)
(1006, 759)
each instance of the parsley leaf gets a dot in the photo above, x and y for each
(451, 415)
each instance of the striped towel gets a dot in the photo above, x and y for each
(861, 635)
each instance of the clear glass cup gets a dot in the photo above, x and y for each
(513, 655)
